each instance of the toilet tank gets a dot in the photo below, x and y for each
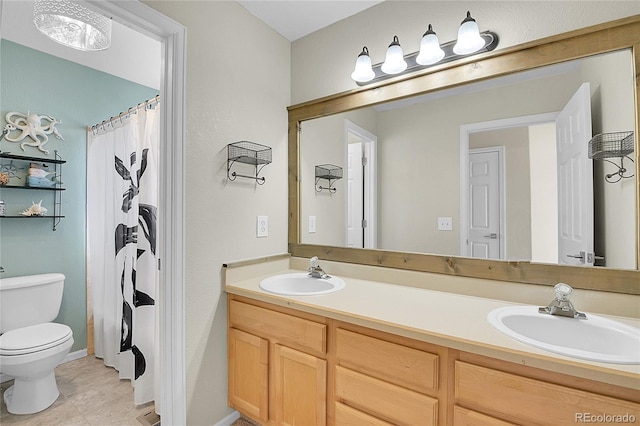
(29, 300)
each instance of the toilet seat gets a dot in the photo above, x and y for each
(34, 338)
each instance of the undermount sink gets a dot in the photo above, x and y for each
(301, 284)
(595, 338)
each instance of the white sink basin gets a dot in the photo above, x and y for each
(300, 284)
(594, 339)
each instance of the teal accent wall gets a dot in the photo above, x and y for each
(79, 96)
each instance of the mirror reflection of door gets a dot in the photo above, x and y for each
(575, 181)
(361, 187)
(486, 194)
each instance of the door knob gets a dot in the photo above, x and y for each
(493, 236)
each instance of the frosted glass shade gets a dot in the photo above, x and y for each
(430, 51)
(469, 39)
(394, 62)
(71, 24)
(363, 71)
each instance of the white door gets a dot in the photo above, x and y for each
(485, 204)
(355, 198)
(575, 181)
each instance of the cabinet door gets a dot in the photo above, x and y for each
(300, 388)
(249, 374)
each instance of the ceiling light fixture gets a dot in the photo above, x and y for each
(70, 23)
(470, 41)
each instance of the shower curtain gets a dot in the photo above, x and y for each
(122, 215)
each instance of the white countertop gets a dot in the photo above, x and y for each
(446, 319)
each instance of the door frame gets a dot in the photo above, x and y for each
(171, 297)
(369, 149)
(502, 225)
(465, 131)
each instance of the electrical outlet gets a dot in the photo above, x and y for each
(262, 226)
(445, 224)
(312, 224)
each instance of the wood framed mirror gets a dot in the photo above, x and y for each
(586, 42)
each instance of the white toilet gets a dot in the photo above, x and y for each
(31, 346)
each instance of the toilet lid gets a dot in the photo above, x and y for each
(33, 338)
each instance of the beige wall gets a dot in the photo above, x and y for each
(544, 193)
(237, 89)
(321, 63)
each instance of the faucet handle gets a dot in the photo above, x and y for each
(563, 292)
(313, 262)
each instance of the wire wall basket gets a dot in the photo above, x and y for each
(613, 145)
(330, 173)
(251, 153)
(608, 145)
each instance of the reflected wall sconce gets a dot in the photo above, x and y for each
(470, 41)
(71, 24)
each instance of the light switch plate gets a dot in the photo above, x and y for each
(312, 224)
(445, 224)
(262, 226)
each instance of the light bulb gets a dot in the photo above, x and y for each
(430, 51)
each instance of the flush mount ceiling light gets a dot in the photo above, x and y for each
(470, 41)
(69, 23)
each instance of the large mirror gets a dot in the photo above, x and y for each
(404, 162)
(426, 135)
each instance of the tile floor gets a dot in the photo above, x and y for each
(90, 394)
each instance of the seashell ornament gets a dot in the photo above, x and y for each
(35, 210)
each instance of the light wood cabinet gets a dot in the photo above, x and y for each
(384, 380)
(277, 370)
(249, 374)
(288, 367)
(512, 397)
(300, 388)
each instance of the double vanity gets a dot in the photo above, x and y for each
(365, 351)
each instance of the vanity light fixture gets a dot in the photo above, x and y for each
(70, 23)
(430, 50)
(363, 72)
(470, 41)
(394, 62)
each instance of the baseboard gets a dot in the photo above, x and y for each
(75, 355)
(70, 357)
(228, 421)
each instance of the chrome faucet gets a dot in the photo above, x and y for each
(561, 305)
(315, 271)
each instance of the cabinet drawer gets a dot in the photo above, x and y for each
(291, 331)
(398, 364)
(347, 416)
(384, 400)
(464, 417)
(523, 400)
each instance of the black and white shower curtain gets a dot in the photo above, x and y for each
(122, 223)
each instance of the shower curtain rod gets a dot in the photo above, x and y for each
(148, 104)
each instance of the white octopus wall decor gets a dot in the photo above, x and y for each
(31, 125)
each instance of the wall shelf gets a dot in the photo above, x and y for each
(330, 173)
(57, 189)
(250, 153)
